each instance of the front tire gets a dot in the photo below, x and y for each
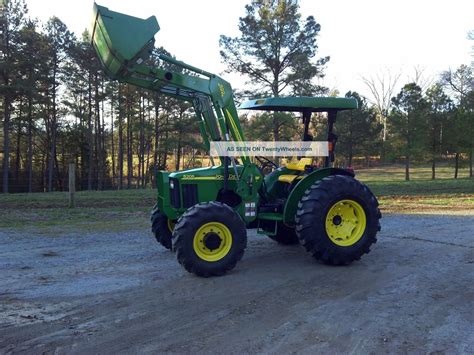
(161, 227)
(337, 220)
(209, 239)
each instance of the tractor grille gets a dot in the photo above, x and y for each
(190, 195)
(175, 200)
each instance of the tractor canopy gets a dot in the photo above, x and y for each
(300, 104)
(121, 41)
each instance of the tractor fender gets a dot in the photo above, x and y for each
(298, 191)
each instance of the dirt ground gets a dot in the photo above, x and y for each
(122, 293)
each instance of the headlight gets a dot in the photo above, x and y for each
(171, 184)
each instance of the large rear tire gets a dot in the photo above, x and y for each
(338, 219)
(209, 239)
(161, 227)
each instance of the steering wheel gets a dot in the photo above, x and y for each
(267, 165)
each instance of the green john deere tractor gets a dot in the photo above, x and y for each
(203, 214)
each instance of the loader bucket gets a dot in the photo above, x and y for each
(121, 41)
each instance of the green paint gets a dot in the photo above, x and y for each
(124, 42)
(298, 191)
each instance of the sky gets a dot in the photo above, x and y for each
(363, 38)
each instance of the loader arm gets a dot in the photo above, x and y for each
(124, 42)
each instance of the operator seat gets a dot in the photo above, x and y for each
(296, 165)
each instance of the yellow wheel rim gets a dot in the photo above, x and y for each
(345, 222)
(212, 241)
(171, 225)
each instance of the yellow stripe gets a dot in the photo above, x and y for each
(237, 133)
(231, 177)
(234, 126)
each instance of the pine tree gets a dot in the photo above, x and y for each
(275, 51)
(358, 130)
(408, 121)
(12, 19)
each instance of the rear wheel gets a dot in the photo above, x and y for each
(285, 235)
(209, 239)
(162, 227)
(337, 220)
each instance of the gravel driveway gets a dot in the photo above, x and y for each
(110, 293)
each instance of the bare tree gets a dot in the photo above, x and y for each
(459, 81)
(382, 89)
(420, 78)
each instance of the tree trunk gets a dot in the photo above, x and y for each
(58, 175)
(433, 158)
(384, 139)
(129, 144)
(43, 171)
(120, 138)
(52, 156)
(98, 150)
(433, 168)
(52, 153)
(30, 145)
(147, 167)
(6, 141)
(456, 165)
(140, 140)
(142, 145)
(165, 155)
(470, 162)
(178, 154)
(155, 151)
(6, 99)
(407, 168)
(18, 148)
(90, 134)
(112, 137)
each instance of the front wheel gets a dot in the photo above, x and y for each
(209, 239)
(338, 219)
(162, 227)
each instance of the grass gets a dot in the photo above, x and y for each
(420, 194)
(95, 210)
(129, 209)
(397, 173)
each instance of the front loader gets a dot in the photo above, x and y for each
(203, 214)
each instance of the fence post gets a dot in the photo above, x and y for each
(72, 184)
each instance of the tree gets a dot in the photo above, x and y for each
(32, 46)
(420, 78)
(59, 40)
(382, 88)
(461, 84)
(359, 130)
(12, 19)
(439, 107)
(275, 51)
(407, 120)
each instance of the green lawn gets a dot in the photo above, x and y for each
(420, 194)
(95, 210)
(128, 209)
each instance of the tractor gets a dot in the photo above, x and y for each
(203, 214)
